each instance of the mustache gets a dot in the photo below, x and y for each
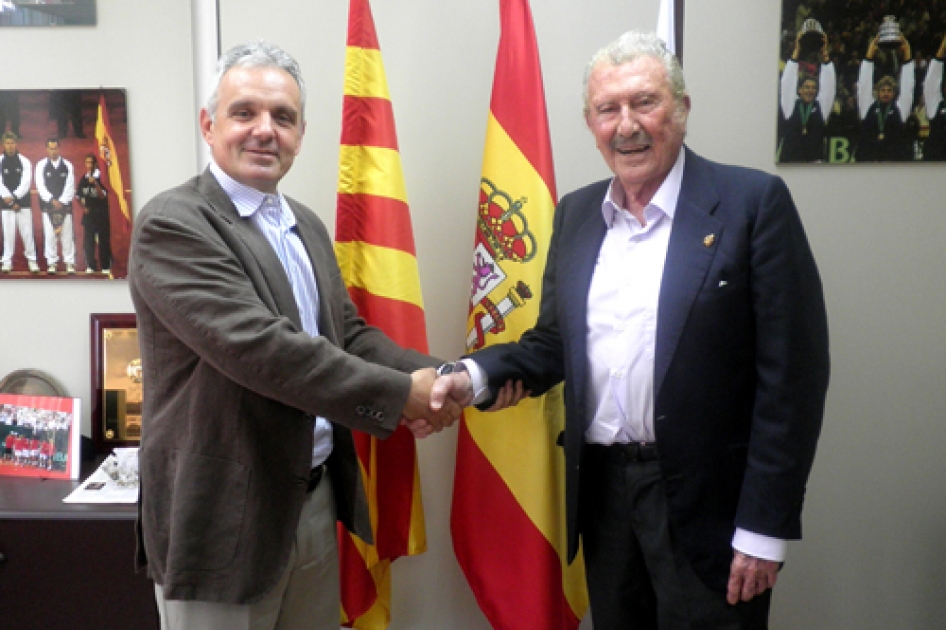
(636, 139)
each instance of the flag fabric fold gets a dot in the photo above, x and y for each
(507, 517)
(670, 25)
(666, 25)
(374, 245)
(108, 156)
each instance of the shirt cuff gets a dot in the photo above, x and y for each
(759, 545)
(478, 379)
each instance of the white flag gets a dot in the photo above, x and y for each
(666, 25)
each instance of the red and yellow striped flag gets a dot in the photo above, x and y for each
(508, 518)
(374, 244)
(108, 155)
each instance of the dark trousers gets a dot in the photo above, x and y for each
(638, 576)
(96, 223)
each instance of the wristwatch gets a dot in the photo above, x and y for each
(450, 367)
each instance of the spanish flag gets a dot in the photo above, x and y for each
(108, 155)
(374, 244)
(508, 518)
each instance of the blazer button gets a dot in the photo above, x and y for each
(360, 410)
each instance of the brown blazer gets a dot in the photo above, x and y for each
(232, 383)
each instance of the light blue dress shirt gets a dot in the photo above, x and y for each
(272, 215)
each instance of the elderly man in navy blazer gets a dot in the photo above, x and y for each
(682, 307)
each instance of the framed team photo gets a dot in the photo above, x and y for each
(116, 381)
(861, 82)
(40, 436)
(65, 187)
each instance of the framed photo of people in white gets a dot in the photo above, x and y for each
(65, 187)
(861, 81)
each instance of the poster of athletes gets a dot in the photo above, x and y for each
(40, 436)
(862, 81)
(65, 190)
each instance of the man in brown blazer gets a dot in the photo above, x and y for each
(256, 367)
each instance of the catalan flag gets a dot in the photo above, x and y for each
(374, 244)
(108, 155)
(508, 516)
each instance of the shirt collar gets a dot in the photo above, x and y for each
(665, 199)
(246, 199)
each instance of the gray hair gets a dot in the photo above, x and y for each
(631, 46)
(255, 55)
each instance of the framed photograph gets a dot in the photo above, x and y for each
(40, 436)
(47, 13)
(116, 381)
(861, 82)
(66, 189)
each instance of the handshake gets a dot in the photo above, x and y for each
(436, 402)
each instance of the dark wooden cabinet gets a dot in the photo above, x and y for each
(68, 566)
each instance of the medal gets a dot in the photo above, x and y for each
(804, 112)
(882, 113)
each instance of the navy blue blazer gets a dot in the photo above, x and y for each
(742, 363)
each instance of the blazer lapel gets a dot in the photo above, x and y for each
(577, 267)
(689, 255)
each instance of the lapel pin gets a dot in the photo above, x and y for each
(708, 240)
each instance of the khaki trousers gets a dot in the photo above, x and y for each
(306, 597)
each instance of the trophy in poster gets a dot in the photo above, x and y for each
(812, 37)
(888, 35)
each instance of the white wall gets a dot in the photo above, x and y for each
(872, 556)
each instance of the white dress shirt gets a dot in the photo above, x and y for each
(622, 314)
